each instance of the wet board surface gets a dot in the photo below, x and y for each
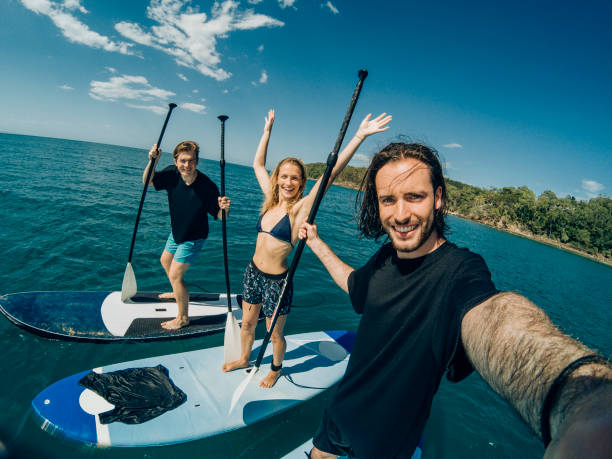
(313, 362)
(103, 317)
(301, 452)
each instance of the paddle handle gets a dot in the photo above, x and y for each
(331, 162)
(171, 107)
(223, 119)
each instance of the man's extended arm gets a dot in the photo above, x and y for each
(520, 353)
(338, 269)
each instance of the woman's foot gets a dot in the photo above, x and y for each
(270, 379)
(175, 324)
(235, 365)
(166, 295)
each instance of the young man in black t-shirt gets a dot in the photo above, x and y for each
(430, 308)
(191, 197)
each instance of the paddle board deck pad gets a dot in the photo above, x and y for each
(313, 363)
(301, 452)
(103, 317)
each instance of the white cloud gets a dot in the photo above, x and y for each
(225, 91)
(197, 108)
(360, 160)
(66, 87)
(263, 79)
(255, 2)
(182, 77)
(111, 69)
(190, 36)
(286, 3)
(453, 145)
(592, 186)
(157, 109)
(195, 91)
(61, 13)
(260, 48)
(127, 87)
(331, 7)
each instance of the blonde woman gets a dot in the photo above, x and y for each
(284, 208)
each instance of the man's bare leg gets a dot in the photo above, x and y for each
(166, 262)
(316, 453)
(279, 346)
(176, 273)
(250, 314)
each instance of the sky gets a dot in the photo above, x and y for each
(509, 93)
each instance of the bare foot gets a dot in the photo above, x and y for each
(175, 324)
(270, 379)
(166, 295)
(235, 365)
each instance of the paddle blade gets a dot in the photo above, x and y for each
(231, 344)
(241, 388)
(128, 288)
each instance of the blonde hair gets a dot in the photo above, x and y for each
(272, 198)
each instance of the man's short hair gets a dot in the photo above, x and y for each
(187, 146)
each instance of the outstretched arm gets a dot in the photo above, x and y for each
(520, 353)
(338, 269)
(154, 155)
(367, 127)
(259, 162)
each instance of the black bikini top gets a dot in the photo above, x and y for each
(281, 231)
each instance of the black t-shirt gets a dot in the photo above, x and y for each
(188, 203)
(408, 336)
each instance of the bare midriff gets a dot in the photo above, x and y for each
(271, 254)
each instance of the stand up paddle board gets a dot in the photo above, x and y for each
(313, 363)
(103, 317)
(301, 452)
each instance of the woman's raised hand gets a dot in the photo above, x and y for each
(269, 120)
(372, 126)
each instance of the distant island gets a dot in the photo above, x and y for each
(583, 227)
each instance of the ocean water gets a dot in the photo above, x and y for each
(67, 212)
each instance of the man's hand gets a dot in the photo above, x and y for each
(154, 153)
(224, 202)
(308, 232)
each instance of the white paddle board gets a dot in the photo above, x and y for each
(313, 363)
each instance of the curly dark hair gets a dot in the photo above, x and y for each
(369, 219)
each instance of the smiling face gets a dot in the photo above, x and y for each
(290, 181)
(186, 162)
(406, 206)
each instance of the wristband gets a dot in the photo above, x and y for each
(555, 388)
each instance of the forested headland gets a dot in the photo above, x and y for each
(582, 226)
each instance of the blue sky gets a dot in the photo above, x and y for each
(510, 93)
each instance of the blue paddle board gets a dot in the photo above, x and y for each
(103, 317)
(313, 363)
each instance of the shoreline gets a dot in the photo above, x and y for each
(521, 233)
(540, 239)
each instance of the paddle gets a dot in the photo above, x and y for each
(331, 162)
(129, 287)
(231, 343)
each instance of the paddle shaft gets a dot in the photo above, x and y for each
(223, 118)
(331, 162)
(146, 185)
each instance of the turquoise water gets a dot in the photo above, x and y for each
(67, 214)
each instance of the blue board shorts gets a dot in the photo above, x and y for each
(186, 252)
(263, 288)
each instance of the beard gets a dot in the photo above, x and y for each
(425, 229)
